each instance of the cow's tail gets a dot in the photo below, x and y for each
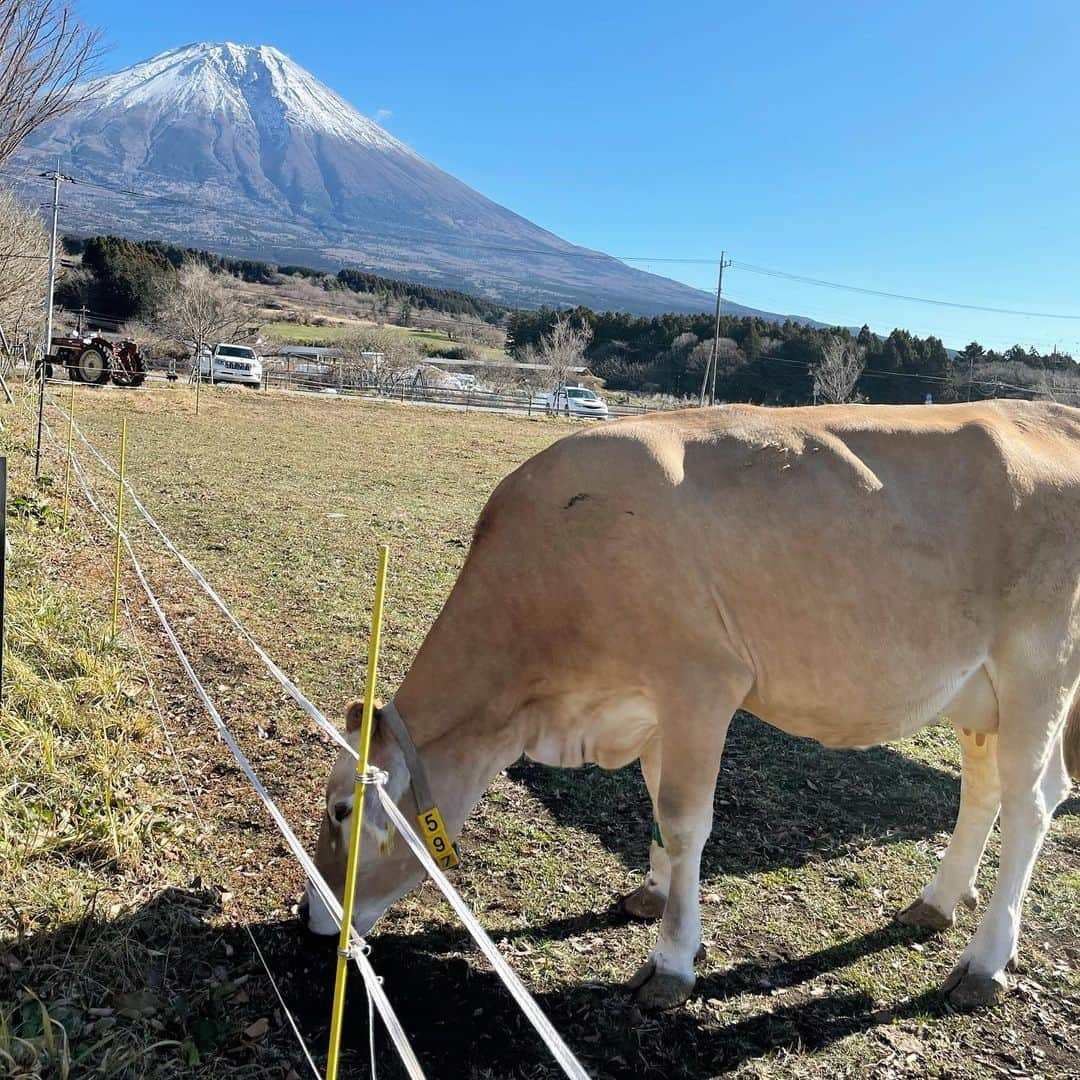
(1072, 740)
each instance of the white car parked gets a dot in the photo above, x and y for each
(233, 363)
(576, 401)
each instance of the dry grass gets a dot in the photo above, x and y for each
(300, 313)
(85, 820)
(282, 500)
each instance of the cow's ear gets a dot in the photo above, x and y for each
(354, 714)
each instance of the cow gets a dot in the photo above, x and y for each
(845, 573)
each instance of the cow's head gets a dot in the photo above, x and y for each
(387, 869)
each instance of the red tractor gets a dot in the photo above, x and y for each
(94, 360)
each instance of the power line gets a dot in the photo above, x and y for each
(899, 296)
(879, 373)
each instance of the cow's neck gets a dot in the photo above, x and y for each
(460, 702)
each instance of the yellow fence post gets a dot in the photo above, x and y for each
(67, 468)
(119, 526)
(334, 1051)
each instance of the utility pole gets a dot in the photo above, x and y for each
(709, 383)
(56, 177)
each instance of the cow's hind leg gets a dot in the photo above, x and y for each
(1034, 783)
(690, 761)
(980, 798)
(648, 900)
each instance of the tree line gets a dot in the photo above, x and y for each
(121, 278)
(791, 363)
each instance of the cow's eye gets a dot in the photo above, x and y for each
(342, 810)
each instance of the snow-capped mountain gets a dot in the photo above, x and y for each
(258, 88)
(240, 150)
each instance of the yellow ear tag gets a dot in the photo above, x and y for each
(386, 846)
(436, 838)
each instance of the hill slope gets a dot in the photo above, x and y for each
(242, 150)
(239, 150)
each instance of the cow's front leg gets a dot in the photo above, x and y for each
(980, 797)
(649, 899)
(690, 760)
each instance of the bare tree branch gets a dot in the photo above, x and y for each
(199, 307)
(837, 372)
(396, 354)
(45, 56)
(24, 261)
(563, 347)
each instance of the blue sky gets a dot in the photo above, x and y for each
(920, 148)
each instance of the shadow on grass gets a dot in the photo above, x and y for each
(464, 1024)
(187, 994)
(780, 801)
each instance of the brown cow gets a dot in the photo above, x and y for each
(847, 573)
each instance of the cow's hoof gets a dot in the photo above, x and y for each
(971, 899)
(969, 990)
(924, 916)
(656, 990)
(645, 902)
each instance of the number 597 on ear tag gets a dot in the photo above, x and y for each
(436, 839)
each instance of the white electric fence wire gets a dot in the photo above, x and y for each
(170, 746)
(180, 772)
(316, 879)
(389, 1017)
(282, 679)
(560, 1051)
(371, 1034)
(285, 1008)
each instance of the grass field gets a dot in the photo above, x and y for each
(282, 501)
(432, 342)
(307, 333)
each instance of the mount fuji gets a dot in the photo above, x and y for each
(239, 150)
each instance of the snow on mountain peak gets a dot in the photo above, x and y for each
(249, 84)
(238, 149)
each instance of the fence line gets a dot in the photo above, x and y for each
(551, 1038)
(280, 379)
(182, 776)
(280, 677)
(361, 384)
(360, 947)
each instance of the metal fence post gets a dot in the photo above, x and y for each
(67, 465)
(119, 525)
(40, 415)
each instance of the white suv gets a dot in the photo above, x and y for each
(233, 363)
(576, 401)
